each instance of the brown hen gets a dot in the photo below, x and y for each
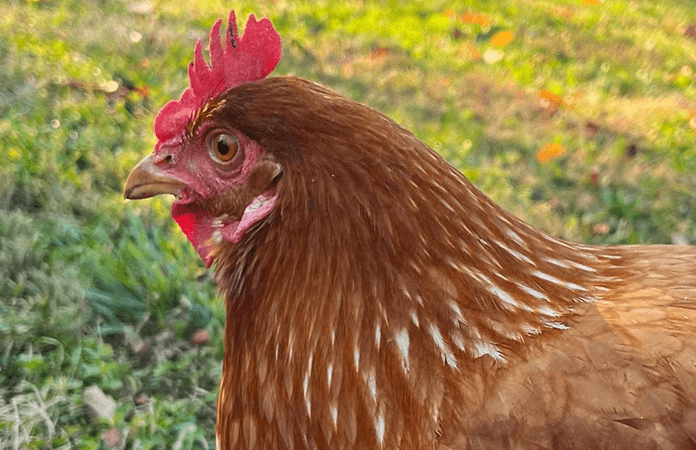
(377, 300)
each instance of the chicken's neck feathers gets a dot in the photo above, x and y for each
(388, 309)
(382, 275)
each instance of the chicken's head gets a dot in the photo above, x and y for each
(224, 182)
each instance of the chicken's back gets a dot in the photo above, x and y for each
(622, 376)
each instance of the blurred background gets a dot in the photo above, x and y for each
(578, 116)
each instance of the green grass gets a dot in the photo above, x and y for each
(96, 291)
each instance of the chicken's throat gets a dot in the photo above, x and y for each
(207, 231)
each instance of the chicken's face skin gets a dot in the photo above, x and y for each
(222, 180)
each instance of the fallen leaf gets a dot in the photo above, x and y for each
(142, 347)
(594, 178)
(99, 405)
(379, 53)
(492, 56)
(690, 31)
(549, 151)
(631, 150)
(566, 12)
(591, 128)
(502, 38)
(469, 51)
(478, 19)
(551, 97)
(108, 86)
(111, 438)
(679, 239)
(141, 7)
(200, 337)
(600, 229)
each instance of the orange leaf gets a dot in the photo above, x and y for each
(690, 31)
(566, 12)
(551, 97)
(549, 151)
(468, 51)
(594, 178)
(478, 19)
(450, 14)
(591, 2)
(379, 53)
(502, 38)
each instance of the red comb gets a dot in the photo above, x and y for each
(250, 58)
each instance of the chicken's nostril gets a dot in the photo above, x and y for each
(164, 160)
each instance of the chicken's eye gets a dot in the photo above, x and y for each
(223, 147)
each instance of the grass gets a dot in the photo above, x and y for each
(95, 291)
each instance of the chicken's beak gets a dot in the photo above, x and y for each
(147, 180)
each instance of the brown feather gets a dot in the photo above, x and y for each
(387, 303)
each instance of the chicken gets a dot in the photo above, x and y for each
(376, 299)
